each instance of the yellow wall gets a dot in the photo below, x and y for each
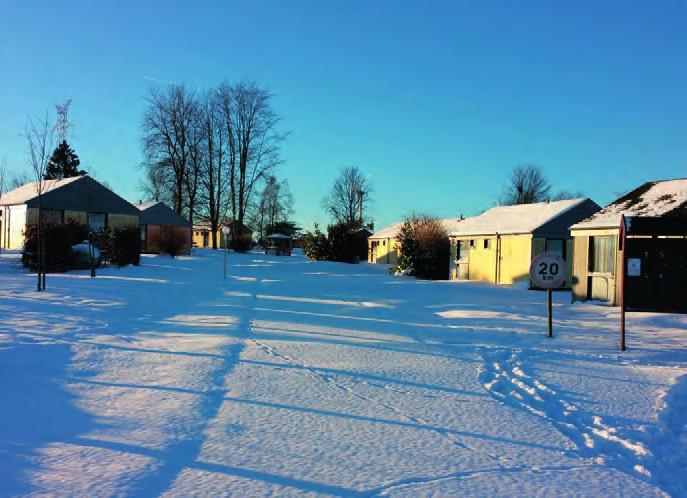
(481, 264)
(515, 257)
(386, 251)
(198, 238)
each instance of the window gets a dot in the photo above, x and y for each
(555, 246)
(472, 242)
(602, 254)
(96, 221)
(463, 250)
(487, 243)
(52, 215)
(384, 243)
(143, 233)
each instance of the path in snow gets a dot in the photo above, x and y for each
(295, 378)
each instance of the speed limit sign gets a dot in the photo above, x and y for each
(548, 271)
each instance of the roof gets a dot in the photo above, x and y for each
(78, 193)
(520, 218)
(158, 213)
(392, 231)
(277, 236)
(29, 191)
(205, 225)
(665, 198)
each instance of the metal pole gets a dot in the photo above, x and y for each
(550, 309)
(225, 258)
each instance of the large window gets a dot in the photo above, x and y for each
(602, 254)
(96, 221)
(52, 216)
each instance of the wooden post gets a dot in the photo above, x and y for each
(623, 248)
(548, 291)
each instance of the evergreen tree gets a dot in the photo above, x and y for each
(64, 163)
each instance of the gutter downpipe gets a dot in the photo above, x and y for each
(497, 266)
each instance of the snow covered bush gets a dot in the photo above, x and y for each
(424, 248)
(126, 246)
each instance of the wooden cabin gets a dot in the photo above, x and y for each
(157, 221)
(79, 198)
(498, 245)
(597, 255)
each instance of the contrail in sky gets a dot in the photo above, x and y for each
(157, 80)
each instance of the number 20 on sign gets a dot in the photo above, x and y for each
(548, 271)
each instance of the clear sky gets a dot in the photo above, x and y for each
(437, 101)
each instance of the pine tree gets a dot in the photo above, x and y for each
(64, 163)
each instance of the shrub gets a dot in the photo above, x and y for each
(173, 241)
(241, 244)
(57, 241)
(347, 242)
(424, 248)
(126, 246)
(316, 245)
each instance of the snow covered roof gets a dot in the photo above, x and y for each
(665, 198)
(389, 232)
(277, 236)
(158, 213)
(28, 191)
(520, 218)
(392, 231)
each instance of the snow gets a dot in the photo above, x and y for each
(298, 378)
(520, 218)
(84, 248)
(28, 191)
(392, 231)
(658, 200)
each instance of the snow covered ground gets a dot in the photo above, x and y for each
(295, 378)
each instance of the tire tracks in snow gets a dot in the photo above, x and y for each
(503, 376)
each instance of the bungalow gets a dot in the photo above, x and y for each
(382, 246)
(156, 220)
(498, 245)
(597, 252)
(78, 198)
(202, 234)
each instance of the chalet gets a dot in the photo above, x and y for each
(598, 254)
(156, 221)
(498, 245)
(78, 198)
(382, 246)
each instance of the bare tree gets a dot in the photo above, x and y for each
(157, 184)
(349, 197)
(167, 124)
(39, 141)
(274, 205)
(18, 179)
(253, 143)
(214, 179)
(563, 195)
(528, 184)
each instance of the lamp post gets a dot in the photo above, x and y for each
(227, 235)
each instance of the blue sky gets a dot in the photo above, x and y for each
(437, 101)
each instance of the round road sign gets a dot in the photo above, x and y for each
(548, 271)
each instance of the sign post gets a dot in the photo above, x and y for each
(227, 234)
(548, 271)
